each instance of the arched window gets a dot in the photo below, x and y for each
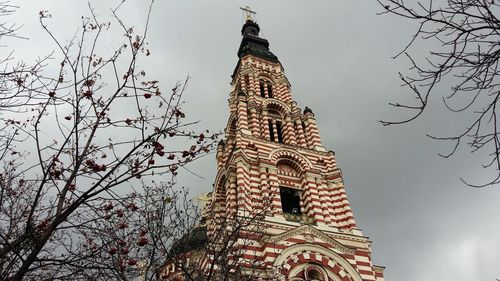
(314, 275)
(271, 130)
(275, 123)
(290, 200)
(270, 90)
(266, 85)
(279, 129)
(247, 82)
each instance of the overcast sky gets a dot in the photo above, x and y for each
(424, 223)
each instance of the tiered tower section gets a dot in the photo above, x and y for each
(274, 171)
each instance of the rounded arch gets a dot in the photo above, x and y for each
(296, 167)
(283, 154)
(220, 178)
(287, 257)
(221, 181)
(309, 270)
(266, 77)
(274, 104)
(231, 126)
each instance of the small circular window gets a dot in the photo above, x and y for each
(314, 273)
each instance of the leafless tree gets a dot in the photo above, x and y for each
(220, 249)
(8, 28)
(466, 56)
(13, 93)
(81, 148)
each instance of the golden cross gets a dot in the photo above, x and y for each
(248, 13)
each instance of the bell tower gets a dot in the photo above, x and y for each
(278, 210)
(273, 168)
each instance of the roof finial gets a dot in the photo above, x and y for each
(248, 13)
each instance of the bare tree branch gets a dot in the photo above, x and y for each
(469, 34)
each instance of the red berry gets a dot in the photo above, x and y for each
(120, 213)
(87, 94)
(173, 168)
(125, 251)
(108, 206)
(112, 250)
(142, 241)
(132, 206)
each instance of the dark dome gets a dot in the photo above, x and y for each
(195, 240)
(251, 28)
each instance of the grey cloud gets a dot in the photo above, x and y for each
(425, 225)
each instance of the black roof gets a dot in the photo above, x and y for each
(194, 240)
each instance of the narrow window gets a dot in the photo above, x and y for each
(271, 131)
(270, 90)
(290, 200)
(247, 83)
(261, 83)
(280, 132)
(304, 126)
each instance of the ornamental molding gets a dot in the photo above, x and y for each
(306, 230)
(280, 153)
(270, 101)
(289, 260)
(296, 148)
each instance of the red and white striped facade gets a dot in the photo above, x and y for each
(252, 168)
(322, 242)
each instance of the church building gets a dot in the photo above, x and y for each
(278, 210)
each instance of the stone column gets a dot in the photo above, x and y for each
(289, 131)
(254, 122)
(311, 198)
(265, 125)
(242, 117)
(323, 197)
(274, 191)
(242, 186)
(266, 94)
(267, 200)
(312, 130)
(275, 130)
(220, 154)
(231, 197)
(301, 134)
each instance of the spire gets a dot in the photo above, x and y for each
(251, 43)
(248, 13)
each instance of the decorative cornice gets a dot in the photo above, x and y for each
(304, 230)
(285, 145)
